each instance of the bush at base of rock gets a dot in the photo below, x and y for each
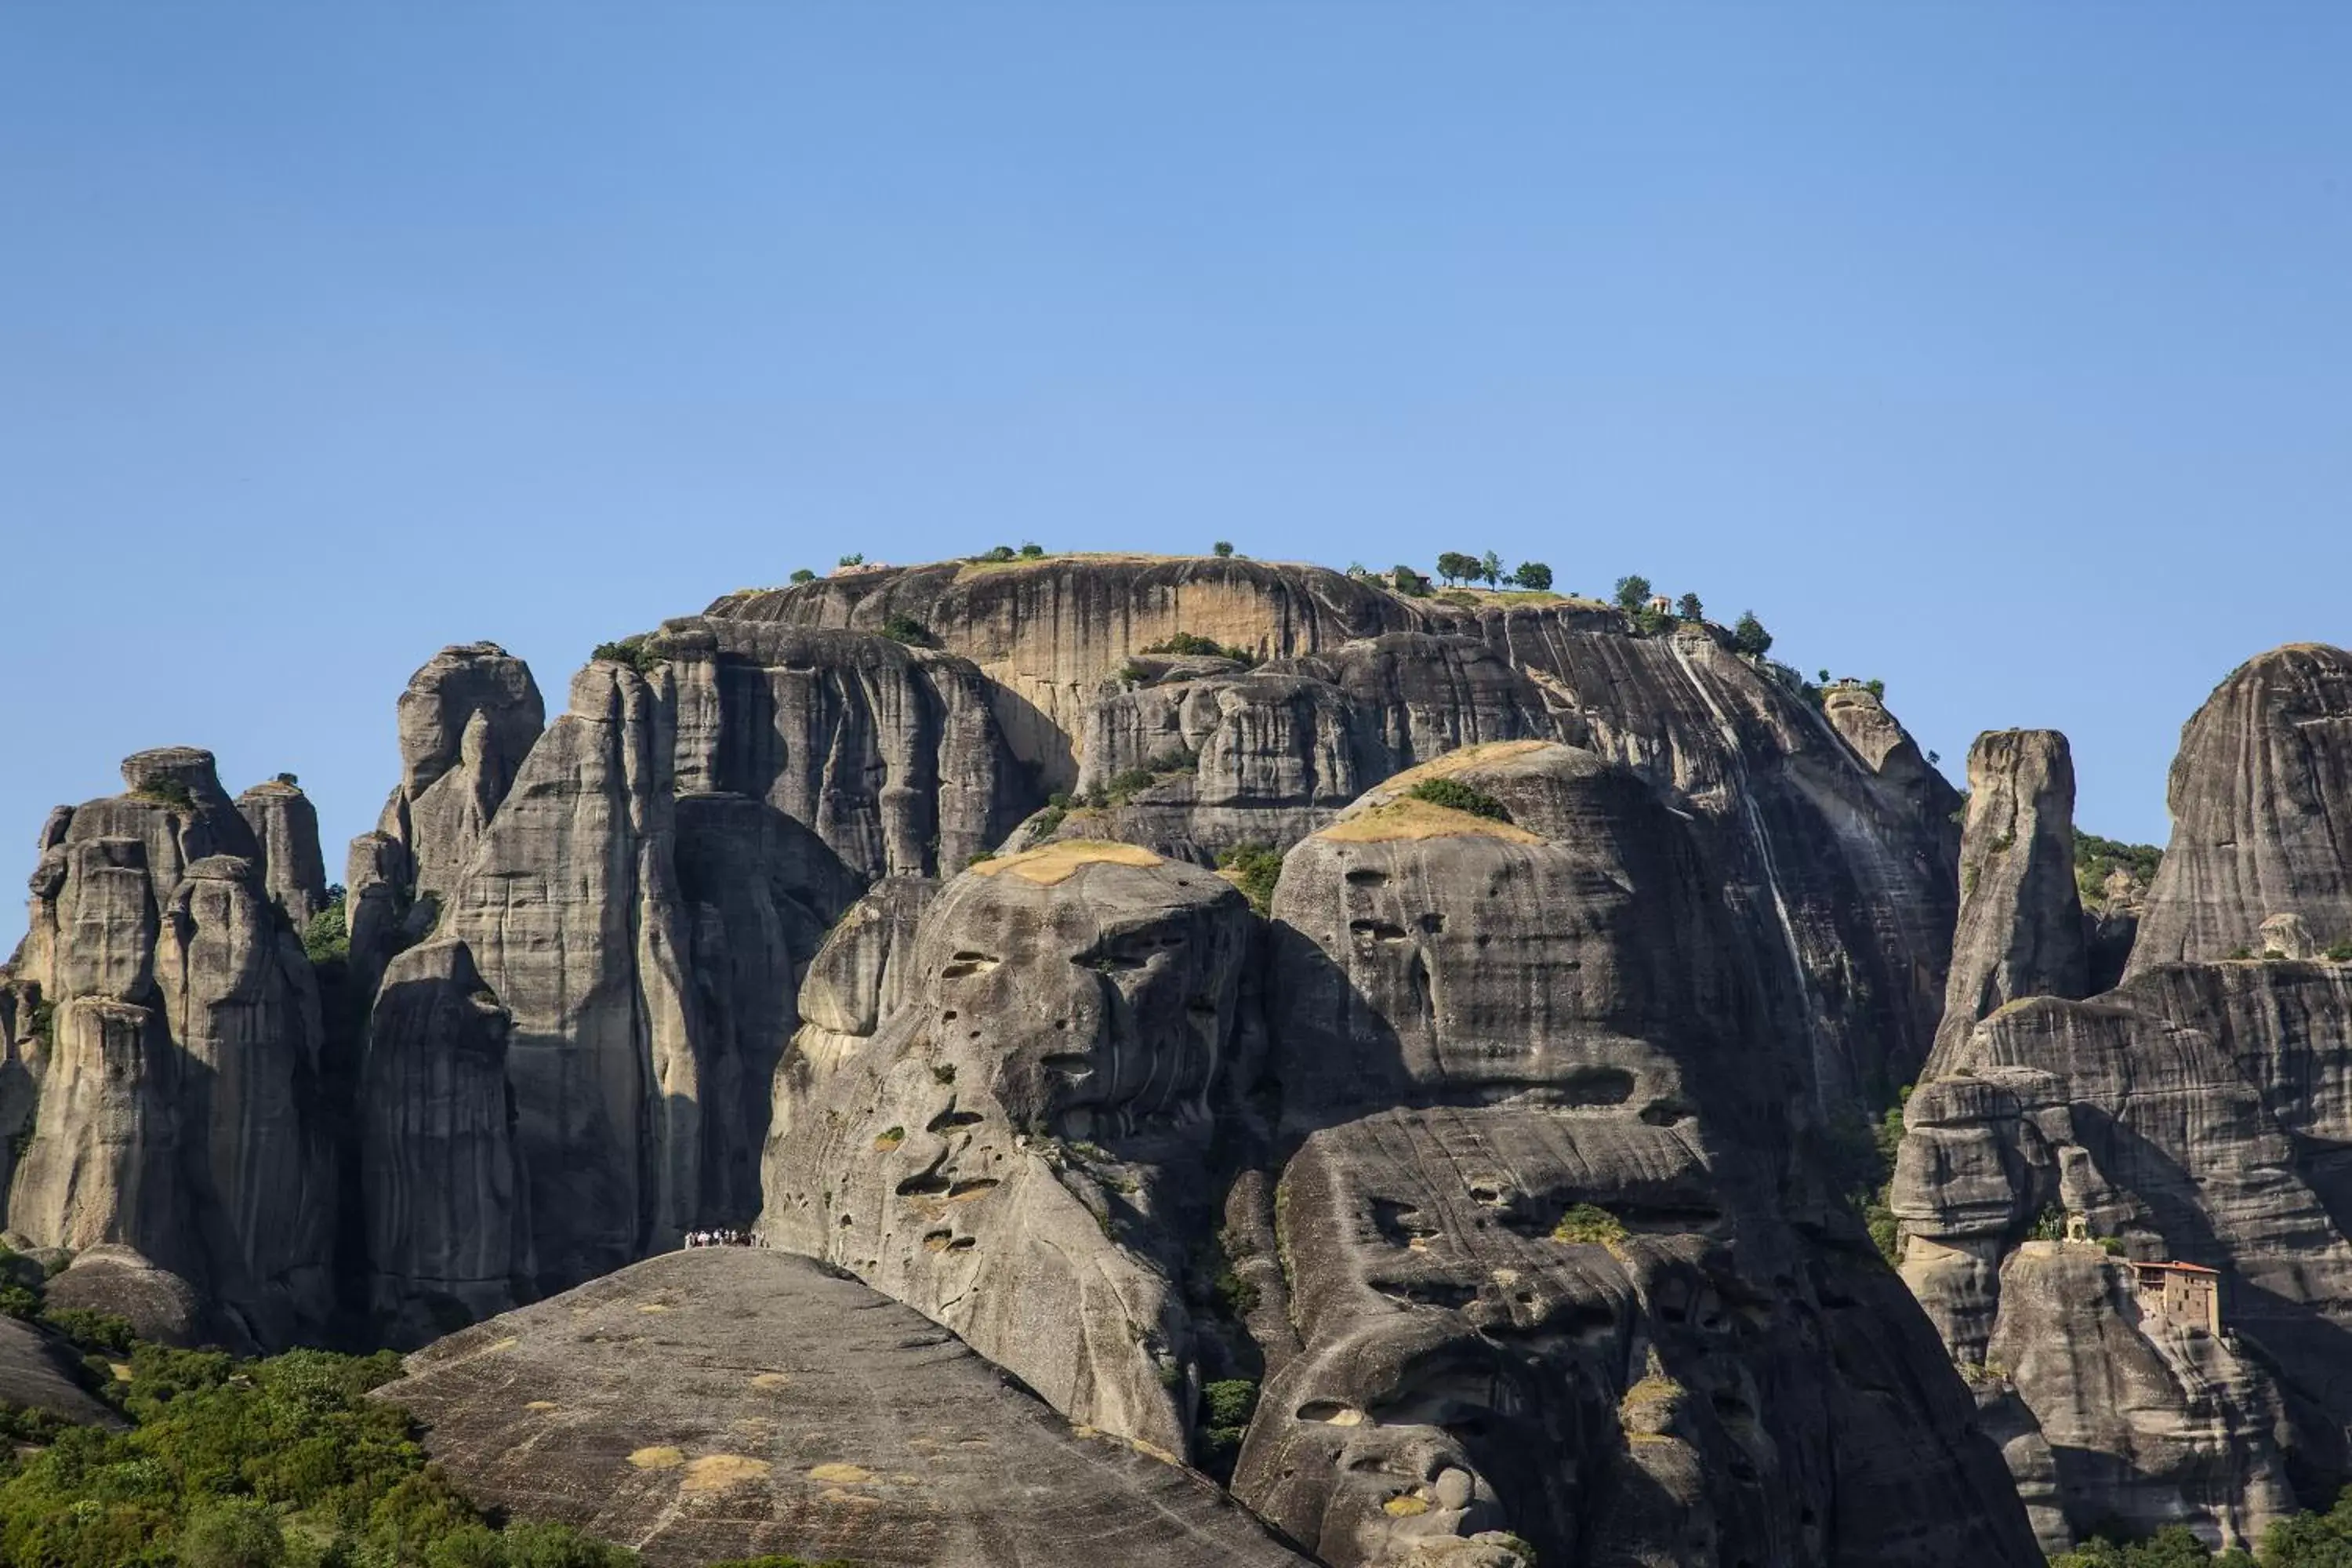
(257, 1464)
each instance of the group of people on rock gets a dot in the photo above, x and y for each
(722, 1238)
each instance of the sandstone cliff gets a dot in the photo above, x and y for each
(177, 1109)
(2261, 810)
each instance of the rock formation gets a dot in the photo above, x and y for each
(1535, 1238)
(2261, 810)
(176, 1113)
(1833, 834)
(728, 1401)
(468, 719)
(2191, 1114)
(1019, 1151)
(286, 832)
(2020, 923)
(448, 1223)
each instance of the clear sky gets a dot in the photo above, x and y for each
(2003, 351)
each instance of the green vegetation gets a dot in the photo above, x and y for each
(1453, 566)
(1222, 549)
(283, 1463)
(1689, 608)
(1533, 574)
(2096, 858)
(327, 935)
(631, 651)
(804, 574)
(289, 780)
(1861, 1157)
(2302, 1541)
(167, 792)
(856, 560)
(1186, 645)
(1748, 636)
(1632, 593)
(1126, 784)
(1255, 869)
(1408, 582)
(2341, 953)
(1226, 1407)
(1455, 795)
(1590, 1224)
(1031, 552)
(2050, 1225)
(901, 627)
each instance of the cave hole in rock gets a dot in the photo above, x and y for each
(1370, 930)
(1432, 923)
(1399, 1223)
(1074, 1066)
(968, 962)
(1450, 1294)
(1365, 876)
(951, 1117)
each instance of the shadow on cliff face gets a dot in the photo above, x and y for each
(2308, 1354)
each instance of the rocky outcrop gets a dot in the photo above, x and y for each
(177, 1110)
(468, 719)
(1019, 1151)
(728, 1402)
(1833, 834)
(1263, 756)
(862, 974)
(2020, 923)
(2262, 812)
(2136, 1120)
(443, 1187)
(1545, 1248)
(892, 755)
(286, 832)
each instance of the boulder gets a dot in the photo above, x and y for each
(728, 1401)
(116, 1279)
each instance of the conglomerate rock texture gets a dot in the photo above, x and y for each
(728, 1401)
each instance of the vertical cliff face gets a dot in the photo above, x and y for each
(468, 719)
(892, 755)
(444, 1191)
(2191, 1113)
(2262, 812)
(176, 1089)
(1020, 1150)
(1833, 832)
(2020, 921)
(1548, 1252)
(286, 834)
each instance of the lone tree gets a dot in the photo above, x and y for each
(1689, 608)
(1223, 548)
(1455, 567)
(1532, 574)
(803, 575)
(1490, 567)
(856, 560)
(1410, 582)
(1632, 593)
(1749, 637)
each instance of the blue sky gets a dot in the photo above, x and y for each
(2003, 351)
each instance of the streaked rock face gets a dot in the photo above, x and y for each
(1538, 1236)
(1020, 1150)
(2020, 923)
(181, 1026)
(2261, 810)
(286, 831)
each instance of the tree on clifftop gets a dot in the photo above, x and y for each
(1688, 608)
(1632, 593)
(1455, 567)
(1749, 637)
(1533, 574)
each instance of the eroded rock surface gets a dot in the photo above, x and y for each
(1019, 1151)
(1545, 1244)
(176, 1108)
(2262, 812)
(728, 1402)
(286, 832)
(2020, 923)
